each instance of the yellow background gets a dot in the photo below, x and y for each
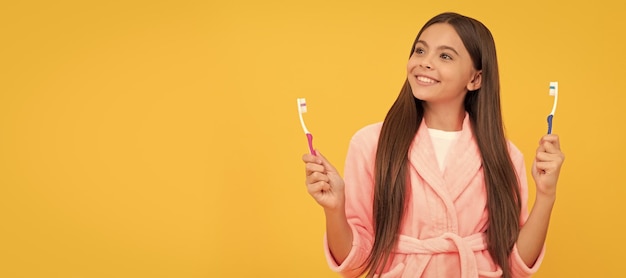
(154, 139)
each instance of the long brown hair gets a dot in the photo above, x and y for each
(398, 132)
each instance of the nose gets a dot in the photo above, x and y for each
(425, 63)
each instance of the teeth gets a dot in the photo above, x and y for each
(425, 79)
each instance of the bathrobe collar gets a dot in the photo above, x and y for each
(463, 161)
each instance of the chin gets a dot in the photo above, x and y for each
(420, 95)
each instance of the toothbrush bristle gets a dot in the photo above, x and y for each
(302, 105)
(554, 88)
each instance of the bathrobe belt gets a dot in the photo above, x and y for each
(446, 243)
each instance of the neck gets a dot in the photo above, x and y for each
(443, 117)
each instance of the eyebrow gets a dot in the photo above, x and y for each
(440, 47)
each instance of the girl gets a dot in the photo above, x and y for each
(436, 190)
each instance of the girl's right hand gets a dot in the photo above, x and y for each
(323, 182)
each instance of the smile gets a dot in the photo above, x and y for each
(425, 79)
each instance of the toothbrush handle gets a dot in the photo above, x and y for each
(550, 123)
(309, 137)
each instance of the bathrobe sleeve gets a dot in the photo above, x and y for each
(359, 186)
(518, 267)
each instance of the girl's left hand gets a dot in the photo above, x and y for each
(547, 165)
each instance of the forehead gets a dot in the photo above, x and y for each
(442, 34)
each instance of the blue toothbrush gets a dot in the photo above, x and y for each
(554, 91)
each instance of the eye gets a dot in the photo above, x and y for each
(445, 56)
(419, 50)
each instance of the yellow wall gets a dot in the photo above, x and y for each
(162, 139)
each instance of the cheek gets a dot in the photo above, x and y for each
(410, 65)
(455, 75)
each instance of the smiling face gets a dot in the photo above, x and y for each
(440, 70)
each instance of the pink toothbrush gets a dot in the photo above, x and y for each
(309, 136)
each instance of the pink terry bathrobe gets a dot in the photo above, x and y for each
(443, 234)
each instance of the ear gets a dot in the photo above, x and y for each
(475, 82)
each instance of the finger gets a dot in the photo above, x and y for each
(546, 156)
(540, 149)
(309, 158)
(546, 167)
(542, 156)
(553, 139)
(317, 176)
(551, 148)
(326, 163)
(310, 168)
(316, 187)
(325, 186)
